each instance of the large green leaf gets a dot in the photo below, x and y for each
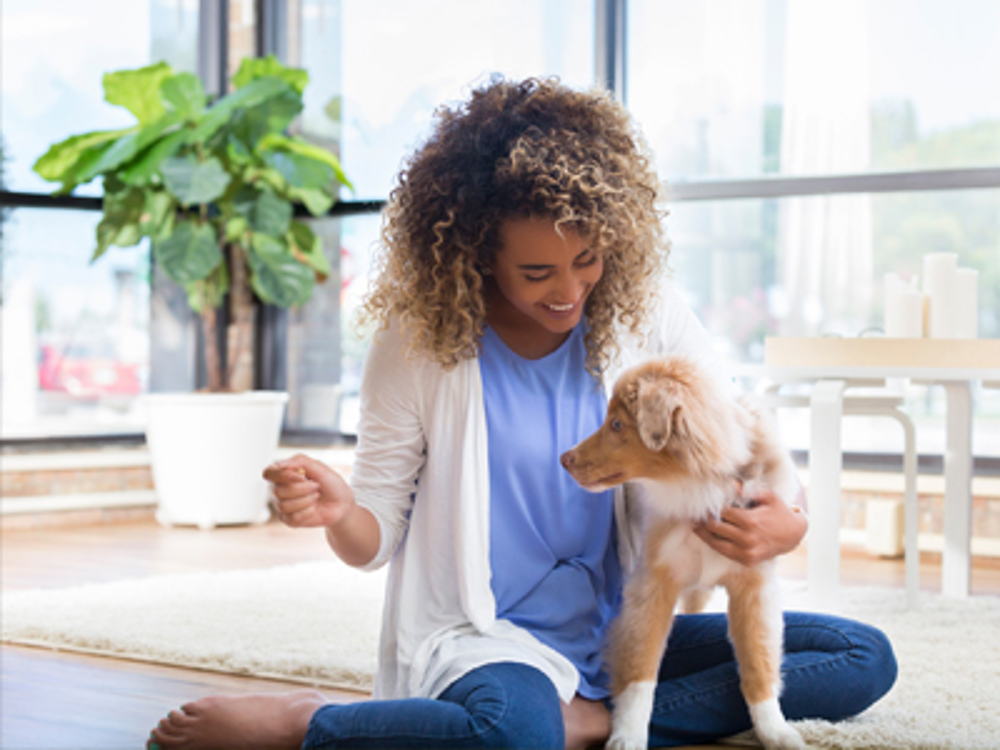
(276, 276)
(158, 214)
(271, 214)
(125, 148)
(299, 171)
(250, 95)
(281, 142)
(210, 291)
(59, 163)
(120, 223)
(138, 90)
(275, 114)
(147, 164)
(185, 94)
(267, 176)
(193, 181)
(316, 201)
(307, 248)
(252, 68)
(190, 253)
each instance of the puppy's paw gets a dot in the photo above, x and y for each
(782, 738)
(627, 742)
(630, 719)
(771, 728)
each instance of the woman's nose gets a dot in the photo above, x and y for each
(570, 287)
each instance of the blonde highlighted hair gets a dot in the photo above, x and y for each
(533, 148)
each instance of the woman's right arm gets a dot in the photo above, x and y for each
(366, 520)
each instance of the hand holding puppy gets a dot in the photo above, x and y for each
(759, 531)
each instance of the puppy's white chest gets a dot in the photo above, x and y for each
(692, 562)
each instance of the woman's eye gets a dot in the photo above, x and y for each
(543, 277)
(589, 261)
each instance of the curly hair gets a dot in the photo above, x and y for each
(534, 148)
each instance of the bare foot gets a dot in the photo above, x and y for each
(255, 722)
(587, 723)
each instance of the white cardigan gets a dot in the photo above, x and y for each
(421, 468)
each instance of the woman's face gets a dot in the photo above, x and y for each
(544, 274)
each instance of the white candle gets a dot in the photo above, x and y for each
(890, 319)
(909, 314)
(939, 286)
(966, 303)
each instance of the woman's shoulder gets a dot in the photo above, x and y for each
(392, 352)
(673, 327)
(669, 321)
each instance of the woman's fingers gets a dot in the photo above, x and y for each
(293, 490)
(293, 504)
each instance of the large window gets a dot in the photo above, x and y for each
(807, 149)
(76, 348)
(379, 69)
(848, 110)
(742, 88)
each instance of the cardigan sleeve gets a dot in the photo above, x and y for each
(391, 442)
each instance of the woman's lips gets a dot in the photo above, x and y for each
(560, 309)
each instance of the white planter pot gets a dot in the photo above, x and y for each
(208, 451)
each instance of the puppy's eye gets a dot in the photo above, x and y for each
(616, 426)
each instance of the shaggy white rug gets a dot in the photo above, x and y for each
(318, 623)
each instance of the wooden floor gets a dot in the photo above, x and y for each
(52, 700)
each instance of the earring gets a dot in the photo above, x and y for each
(484, 270)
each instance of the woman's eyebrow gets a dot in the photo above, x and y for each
(535, 267)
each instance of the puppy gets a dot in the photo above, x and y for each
(687, 448)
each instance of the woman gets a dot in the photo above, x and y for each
(523, 252)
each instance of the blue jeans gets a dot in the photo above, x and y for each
(832, 669)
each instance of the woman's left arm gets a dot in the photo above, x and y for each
(763, 531)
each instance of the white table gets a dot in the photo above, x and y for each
(831, 363)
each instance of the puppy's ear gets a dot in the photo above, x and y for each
(656, 405)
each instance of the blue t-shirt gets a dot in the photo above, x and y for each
(553, 551)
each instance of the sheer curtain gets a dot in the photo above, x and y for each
(825, 242)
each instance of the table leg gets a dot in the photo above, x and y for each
(825, 462)
(955, 563)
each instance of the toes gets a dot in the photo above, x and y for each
(172, 730)
(181, 717)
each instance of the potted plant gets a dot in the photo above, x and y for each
(213, 185)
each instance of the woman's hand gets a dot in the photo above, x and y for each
(308, 493)
(762, 531)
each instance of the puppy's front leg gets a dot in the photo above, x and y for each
(756, 628)
(638, 638)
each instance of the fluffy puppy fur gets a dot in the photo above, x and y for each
(686, 447)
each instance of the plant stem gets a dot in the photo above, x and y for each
(212, 361)
(239, 338)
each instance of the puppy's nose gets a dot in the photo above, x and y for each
(568, 459)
